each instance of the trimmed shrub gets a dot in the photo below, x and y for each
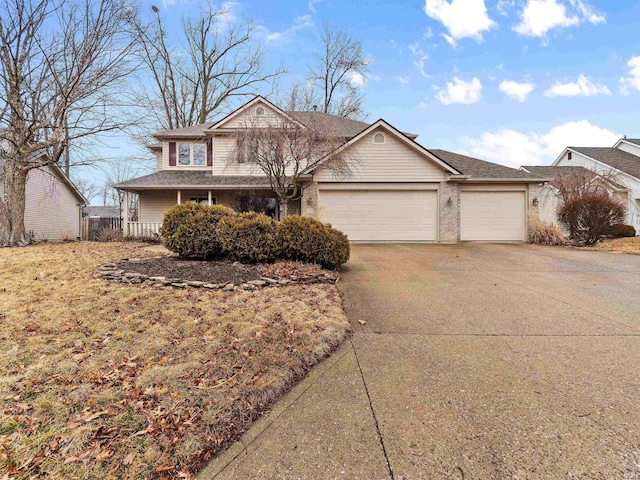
(545, 233)
(590, 216)
(622, 230)
(249, 237)
(308, 240)
(190, 229)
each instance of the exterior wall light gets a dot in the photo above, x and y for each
(449, 202)
(535, 202)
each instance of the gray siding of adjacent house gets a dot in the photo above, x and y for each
(52, 210)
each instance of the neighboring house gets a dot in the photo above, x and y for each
(549, 196)
(53, 204)
(397, 189)
(620, 165)
(101, 211)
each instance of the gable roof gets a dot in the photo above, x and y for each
(635, 141)
(481, 169)
(618, 159)
(556, 171)
(249, 104)
(343, 127)
(411, 143)
(58, 173)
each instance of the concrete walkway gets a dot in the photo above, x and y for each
(476, 361)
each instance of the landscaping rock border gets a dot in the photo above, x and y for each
(113, 272)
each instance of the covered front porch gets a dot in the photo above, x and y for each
(153, 203)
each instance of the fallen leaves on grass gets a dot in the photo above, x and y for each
(103, 381)
(622, 245)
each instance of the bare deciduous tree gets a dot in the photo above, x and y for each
(218, 64)
(60, 65)
(284, 149)
(339, 72)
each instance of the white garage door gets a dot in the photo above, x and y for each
(382, 215)
(492, 216)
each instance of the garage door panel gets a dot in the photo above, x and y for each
(382, 215)
(490, 216)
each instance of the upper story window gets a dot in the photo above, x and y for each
(378, 138)
(569, 156)
(259, 111)
(192, 154)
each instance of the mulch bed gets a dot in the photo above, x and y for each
(219, 271)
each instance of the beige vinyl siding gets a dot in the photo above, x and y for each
(52, 210)
(248, 117)
(160, 159)
(392, 161)
(224, 162)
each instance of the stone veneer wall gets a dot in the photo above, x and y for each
(449, 221)
(309, 201)
(533, 211)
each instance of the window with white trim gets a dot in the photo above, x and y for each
(192, 154)
(378, 138)
(203, 200)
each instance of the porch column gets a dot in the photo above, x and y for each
(210, 198)
(179, 197)
(125, 214)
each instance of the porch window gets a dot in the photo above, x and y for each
(203, 200)
(192, 154)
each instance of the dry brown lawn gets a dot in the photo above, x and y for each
(103, 380)
(622, 245)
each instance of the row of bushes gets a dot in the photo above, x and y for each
(214, 232)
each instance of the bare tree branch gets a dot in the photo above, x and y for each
(337, 71)
(62, 64)
(218, 64)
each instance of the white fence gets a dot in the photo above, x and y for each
(143, 229)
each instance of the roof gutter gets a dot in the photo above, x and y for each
(470, 179)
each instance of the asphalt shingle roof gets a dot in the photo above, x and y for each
(477, 168)
(555, 172)
(193, 178)
(633, 140)
(623, 161)
(343, 127)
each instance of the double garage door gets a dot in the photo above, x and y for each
(382, 215)
(412, 215)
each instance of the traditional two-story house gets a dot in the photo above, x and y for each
(397, 190)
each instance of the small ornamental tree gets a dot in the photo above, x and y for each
(590, 216)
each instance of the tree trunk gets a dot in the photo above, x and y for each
(12, 231)
(283, 211)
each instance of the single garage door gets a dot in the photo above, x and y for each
(382, 215)
(492, 216)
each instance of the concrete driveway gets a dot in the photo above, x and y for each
(477, 361)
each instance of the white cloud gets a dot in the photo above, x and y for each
(460, 91)
(583, 87)
(462, 18)
(540, 16)
(402, 80)
(299, 23)
(312, 5)
(632, 80)
(514, 149)
(356, 79)
(516, 90)
(421, 58)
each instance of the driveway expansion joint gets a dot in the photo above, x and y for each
(373, 412)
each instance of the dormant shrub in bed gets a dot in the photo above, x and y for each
(190, 230)
(307, 240)
(249, 237)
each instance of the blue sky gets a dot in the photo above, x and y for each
(510, 81)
